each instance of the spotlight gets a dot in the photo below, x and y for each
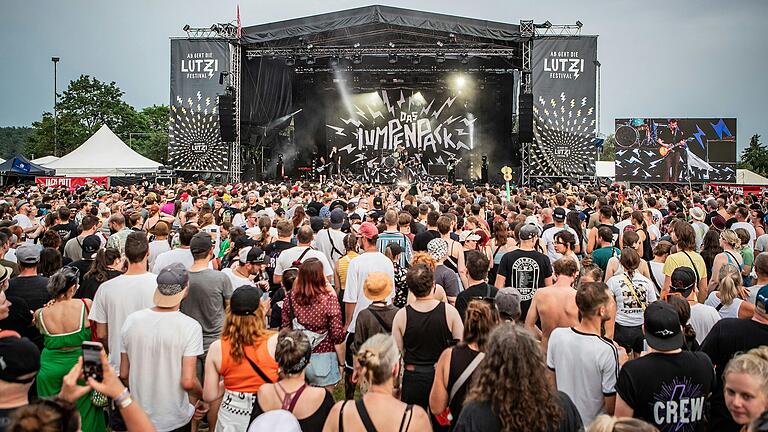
(460, 81)
(440, 43)
(290, 61)
(186, 28)
(579, 24)
(334, 61)
(440, 58)
(391, 44)
(357, 45)
(464, 58)
(416, 59)
(357, 59)
(392, 58)
(310, 46)
(310, 60)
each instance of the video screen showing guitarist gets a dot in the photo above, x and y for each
(674, 150)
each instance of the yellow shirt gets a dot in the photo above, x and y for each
(342, 266)
(679, 259)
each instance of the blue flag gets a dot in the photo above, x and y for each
(20, 166)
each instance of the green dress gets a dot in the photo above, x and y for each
(60, 353)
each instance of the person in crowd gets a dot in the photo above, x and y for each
(702, 317)
(162, 338)
(727, 338)
(605, 221)
(632, 241)
(426, 259)
(525, 268)
(731, 256)
(73, 246)
(421, 239)
(511, 390)
(455, 256)
(501, 243)
(342, 265)
(310, 405)
(565, 244)
(330, 241)
(160, 244)
(249, 269)
(422, 331)
(555, 306)
(730, 298)
(5, 247)
(393, 252)
(683, 309)
(447, 279)
(392, 234)
(379, 315)
(747, 256)
(507, 302)
(300, 253)
(742, 221)
(30, 289)
(585, 363)
(21, 363)
(746, 386)
(761, 271)
(684, 239)
(606, 423)
(313, 308)
(277, 301)
(590, 273)
(710, 248)
(243, 359)
(656, 266)
(476, 275)
(106, 265)
(643, 383)
(456, 365)
(378, 365)
(120, 232)
(64, 325)
(90, 247)
(633, 293)
(182, 254)
(605, 248)
(558, 215)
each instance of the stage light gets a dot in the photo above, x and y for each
(416, 59)
(439, 43)
(334, 61)
(391, 44)
(460, 81)
(419, 98)
(392, 58)
(310, 60)
(464, 58)
(186, 27)
(310, 46)
(357, 59)
(440, 58)
(579, 24)
(290, 61)
(373, 98)
(357, 45)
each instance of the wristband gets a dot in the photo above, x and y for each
(119, 399)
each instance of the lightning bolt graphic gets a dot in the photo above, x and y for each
(355, 122)
(360, 112)
(562, 97)
(401, 101)
(425, 110)
(387, 104)
(451, 119)
(698, 136)
(584, 101)
(199, 96)
(374, 114)
(339, 131)
(448, 102)
(721, 129)
(348, 148)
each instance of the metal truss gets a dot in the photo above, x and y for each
(350, 51)
(216, 31)
(543, 30)
(234, 82)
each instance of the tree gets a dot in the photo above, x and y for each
(609, 148)
(152, 140)
(755, 157)
(13, 140)
(86, 105)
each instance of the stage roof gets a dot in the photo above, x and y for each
(377, 24)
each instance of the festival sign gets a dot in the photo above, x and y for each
(71, 183)
(195, 141)
(676, 150)
(564, 88)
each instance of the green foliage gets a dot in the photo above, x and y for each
(755, 157)
(609, 148)
(85, 106)
(13, 140)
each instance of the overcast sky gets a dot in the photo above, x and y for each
(659, 58)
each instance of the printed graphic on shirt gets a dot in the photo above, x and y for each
(525, 273)
(679, 405)
(630, 304)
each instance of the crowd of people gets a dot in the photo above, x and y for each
(338, 307)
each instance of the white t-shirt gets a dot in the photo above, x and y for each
(157, 247)
(750, 229)
(215, 232)
(629, 312)
(700, 229)
(761, 244)
(288, 256)
(156, 343)
(23, 221)
(703, 318)
(115, 300)
(549, 236)
(586, 368)
(322, 243)
(236, 279)
(167, 258)
(359, 268)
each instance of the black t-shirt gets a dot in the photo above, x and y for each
(33, 289)
(728, 337)
(66, 231)
(668, 390)
(479, 417)
(272, 252)
(20, 320)
(421, 240)
(90, 285)
(5, 417)
(527, 271)
(478, 291)
(82, 266)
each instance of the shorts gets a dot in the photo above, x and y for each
(630, 338)
(235, 411)
(323, 369)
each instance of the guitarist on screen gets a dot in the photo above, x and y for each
(673, 149)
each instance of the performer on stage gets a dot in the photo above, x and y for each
(401, 155)
(451, 167)
(674, 149)
(334, 163)
(322, 169)
(280, 167)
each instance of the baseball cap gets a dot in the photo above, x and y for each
(683, 280)
(91, 245)
(368, 230)
(317, 223)
(281, 420)
(251, 255)
(201, 242)
(528, 232)
(761, 299)
(18, 357)
(508, 302)
(245, 300)
(718, 222)
(662, 327)
(468, 236)
(337, 218)
(171, 283)
(243, 241)
(28, 254)
(8, 223)
(21, 204)
(558, 214)
(697, 214)
(437, 248)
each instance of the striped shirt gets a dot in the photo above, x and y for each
(401, 239)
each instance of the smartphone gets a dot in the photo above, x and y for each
(92, 360)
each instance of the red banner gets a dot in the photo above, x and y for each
(71, 183)
(740, 189)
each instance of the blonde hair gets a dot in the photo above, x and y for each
(377, 358)
(731, 238)
(423, 258)
(753, 363)
(730, 284)
(606, 423)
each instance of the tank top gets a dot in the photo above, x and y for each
(73, 339)
(241, 377)
(461, 357)
(426, 335)
(451, 262)
(725, 311)
(647, 249)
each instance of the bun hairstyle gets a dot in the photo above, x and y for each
(293, 351)
(754, 363)
(377, 359)
(61, 281)
(731, 238)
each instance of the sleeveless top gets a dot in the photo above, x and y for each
(451, 262)
(426, 335)
(241, 377)
(615, 233)
(69, 340)
(725, 311)
(314, 422)
(461, 357)
(647, 249)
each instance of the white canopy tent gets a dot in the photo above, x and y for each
(103, 154)
(45, 160)
(605, 169)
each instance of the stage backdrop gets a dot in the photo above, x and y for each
(707, 145)
(564, 88)
(195, 141)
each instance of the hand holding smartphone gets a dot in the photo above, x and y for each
(92, 360)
